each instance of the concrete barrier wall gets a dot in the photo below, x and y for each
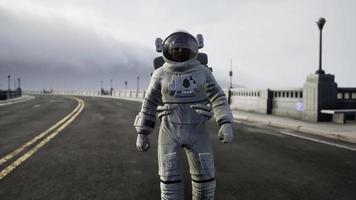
(281, 102)
(243, 99)
(251, 100)
(6, 94)
(116, 93)
(346, 98)
(288, 102)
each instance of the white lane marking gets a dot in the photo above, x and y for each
(262, 130)
(27, 155)
(37, 105)
(40, 136)
(317, 140)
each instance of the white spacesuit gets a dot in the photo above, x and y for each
(185, 95)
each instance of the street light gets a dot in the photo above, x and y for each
(320, 24)
(125, 87)
(102, 87)
(8, 82)
(138, 83)
(111, 89)
(230, 88)
(230, 73)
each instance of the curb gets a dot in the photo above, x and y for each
(299, 128)
(21, 99)
(328, 134)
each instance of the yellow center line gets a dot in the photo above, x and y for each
(40, 136)
(55, 132)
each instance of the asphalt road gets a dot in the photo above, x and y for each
(95, 158)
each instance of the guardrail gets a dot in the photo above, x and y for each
(346, 94)
(9, 94)
(140, 94)
(251, 100)
(282, 102)
(288, 102)
(346, 98)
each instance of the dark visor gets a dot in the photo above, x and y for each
(180, 47)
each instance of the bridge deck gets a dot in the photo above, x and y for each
(95, 158)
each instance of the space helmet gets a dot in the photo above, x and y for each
(180, 46)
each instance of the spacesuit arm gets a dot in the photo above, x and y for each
(216, 96)
(146, 119)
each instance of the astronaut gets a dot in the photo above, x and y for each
(185, 95)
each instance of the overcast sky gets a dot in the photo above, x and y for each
(71, 44)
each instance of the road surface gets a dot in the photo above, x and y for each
(94, 157)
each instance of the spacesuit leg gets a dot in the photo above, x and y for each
(201, 164)
(203, 190)
(169, 163)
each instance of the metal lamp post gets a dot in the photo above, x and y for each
(102, 87)
(138, 83)
(230, 74)
(230, 88)
(320, 24)
(111, 88)
(8, 82)
(125, 87)
(19, 83)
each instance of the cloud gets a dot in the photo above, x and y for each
(53, 52)
(90, 40)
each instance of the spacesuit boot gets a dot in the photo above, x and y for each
(186, 95)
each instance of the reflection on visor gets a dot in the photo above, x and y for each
(180, 47)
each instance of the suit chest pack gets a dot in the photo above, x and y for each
(184, 87)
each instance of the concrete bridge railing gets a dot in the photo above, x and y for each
(265, 101)
(282, 102)
(346, 98)
(9, 94)
(319, 92)
(251, 100)
(97, 93)
(287, 102)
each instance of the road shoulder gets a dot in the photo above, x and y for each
(345, 132)
(21, 99)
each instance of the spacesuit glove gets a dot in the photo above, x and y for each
(142, 143)
(225, 133)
